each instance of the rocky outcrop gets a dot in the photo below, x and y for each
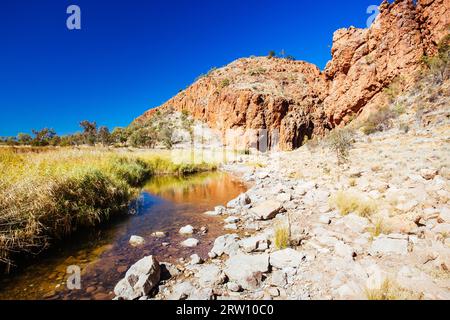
(294, 99)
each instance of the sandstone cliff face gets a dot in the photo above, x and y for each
(254, 93)
(297, 99)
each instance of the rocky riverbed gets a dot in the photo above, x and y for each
(398, 250)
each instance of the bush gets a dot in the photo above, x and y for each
(341, 141)
(379, 121)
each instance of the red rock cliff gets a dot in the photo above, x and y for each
(298, 99)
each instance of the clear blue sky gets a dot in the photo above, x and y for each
(132, 55)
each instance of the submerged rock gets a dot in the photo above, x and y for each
(190, 243)
(136, 241)
(187, 230)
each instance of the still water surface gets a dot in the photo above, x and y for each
(104, 254)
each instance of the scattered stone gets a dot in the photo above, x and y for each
(136, 241)
(443, 228)
(210, 276)
(445, 214)
(190, 243)
(159, 234)
(232, 219)
(247, 270)
(233, 287)
(168, 271)
(227, 244)
(284, 197)
(325, 219)
(181, 291)
(240, 201)
(139, 280)
(267, 210)
(187, 230)
(231, 226)
(274, 292)
(279, 278)
(428, 174)
(344, 250)
(385, 245)
(407, 206)
(220, 210)
(355, 223)
(286, 258)
(257, 243)
(195, 259)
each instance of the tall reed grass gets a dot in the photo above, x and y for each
(50, 194)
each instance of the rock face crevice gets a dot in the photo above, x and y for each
(295, 99)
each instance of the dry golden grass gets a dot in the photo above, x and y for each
(282, 236)
(390, 290)
(347, 202)
(49, 194)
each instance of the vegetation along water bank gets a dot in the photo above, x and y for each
(47, 195)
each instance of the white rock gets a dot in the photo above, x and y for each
(210, 276)
(385, 245)
(233, 287)
(204, 294)
(227, 244)
(247, 270)
(256, 243)
(136, 241)
(279, 278)
(344, 250)
(232, 219)
(443, 228)
(325, 219)
(428, 174)
(159, 234)
(286, 258)
(267, 210)
(284, 197)
(231, 226)
(240, 201)
(195, 259)
(139, 280)
(407, 206)
(220, 210)
(316, 196)
(181, 291)
(187, 230)
(190, 243)
(355, 223)
(211, 213)
(445, 214)
(376, 278)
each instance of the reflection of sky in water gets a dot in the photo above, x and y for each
(104, 255)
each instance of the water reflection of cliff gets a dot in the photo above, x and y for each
(197, 189)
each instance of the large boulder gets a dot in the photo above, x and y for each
(136, 241)
(287, 258)
(139, 280)
(267, 210)
(247, 270)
